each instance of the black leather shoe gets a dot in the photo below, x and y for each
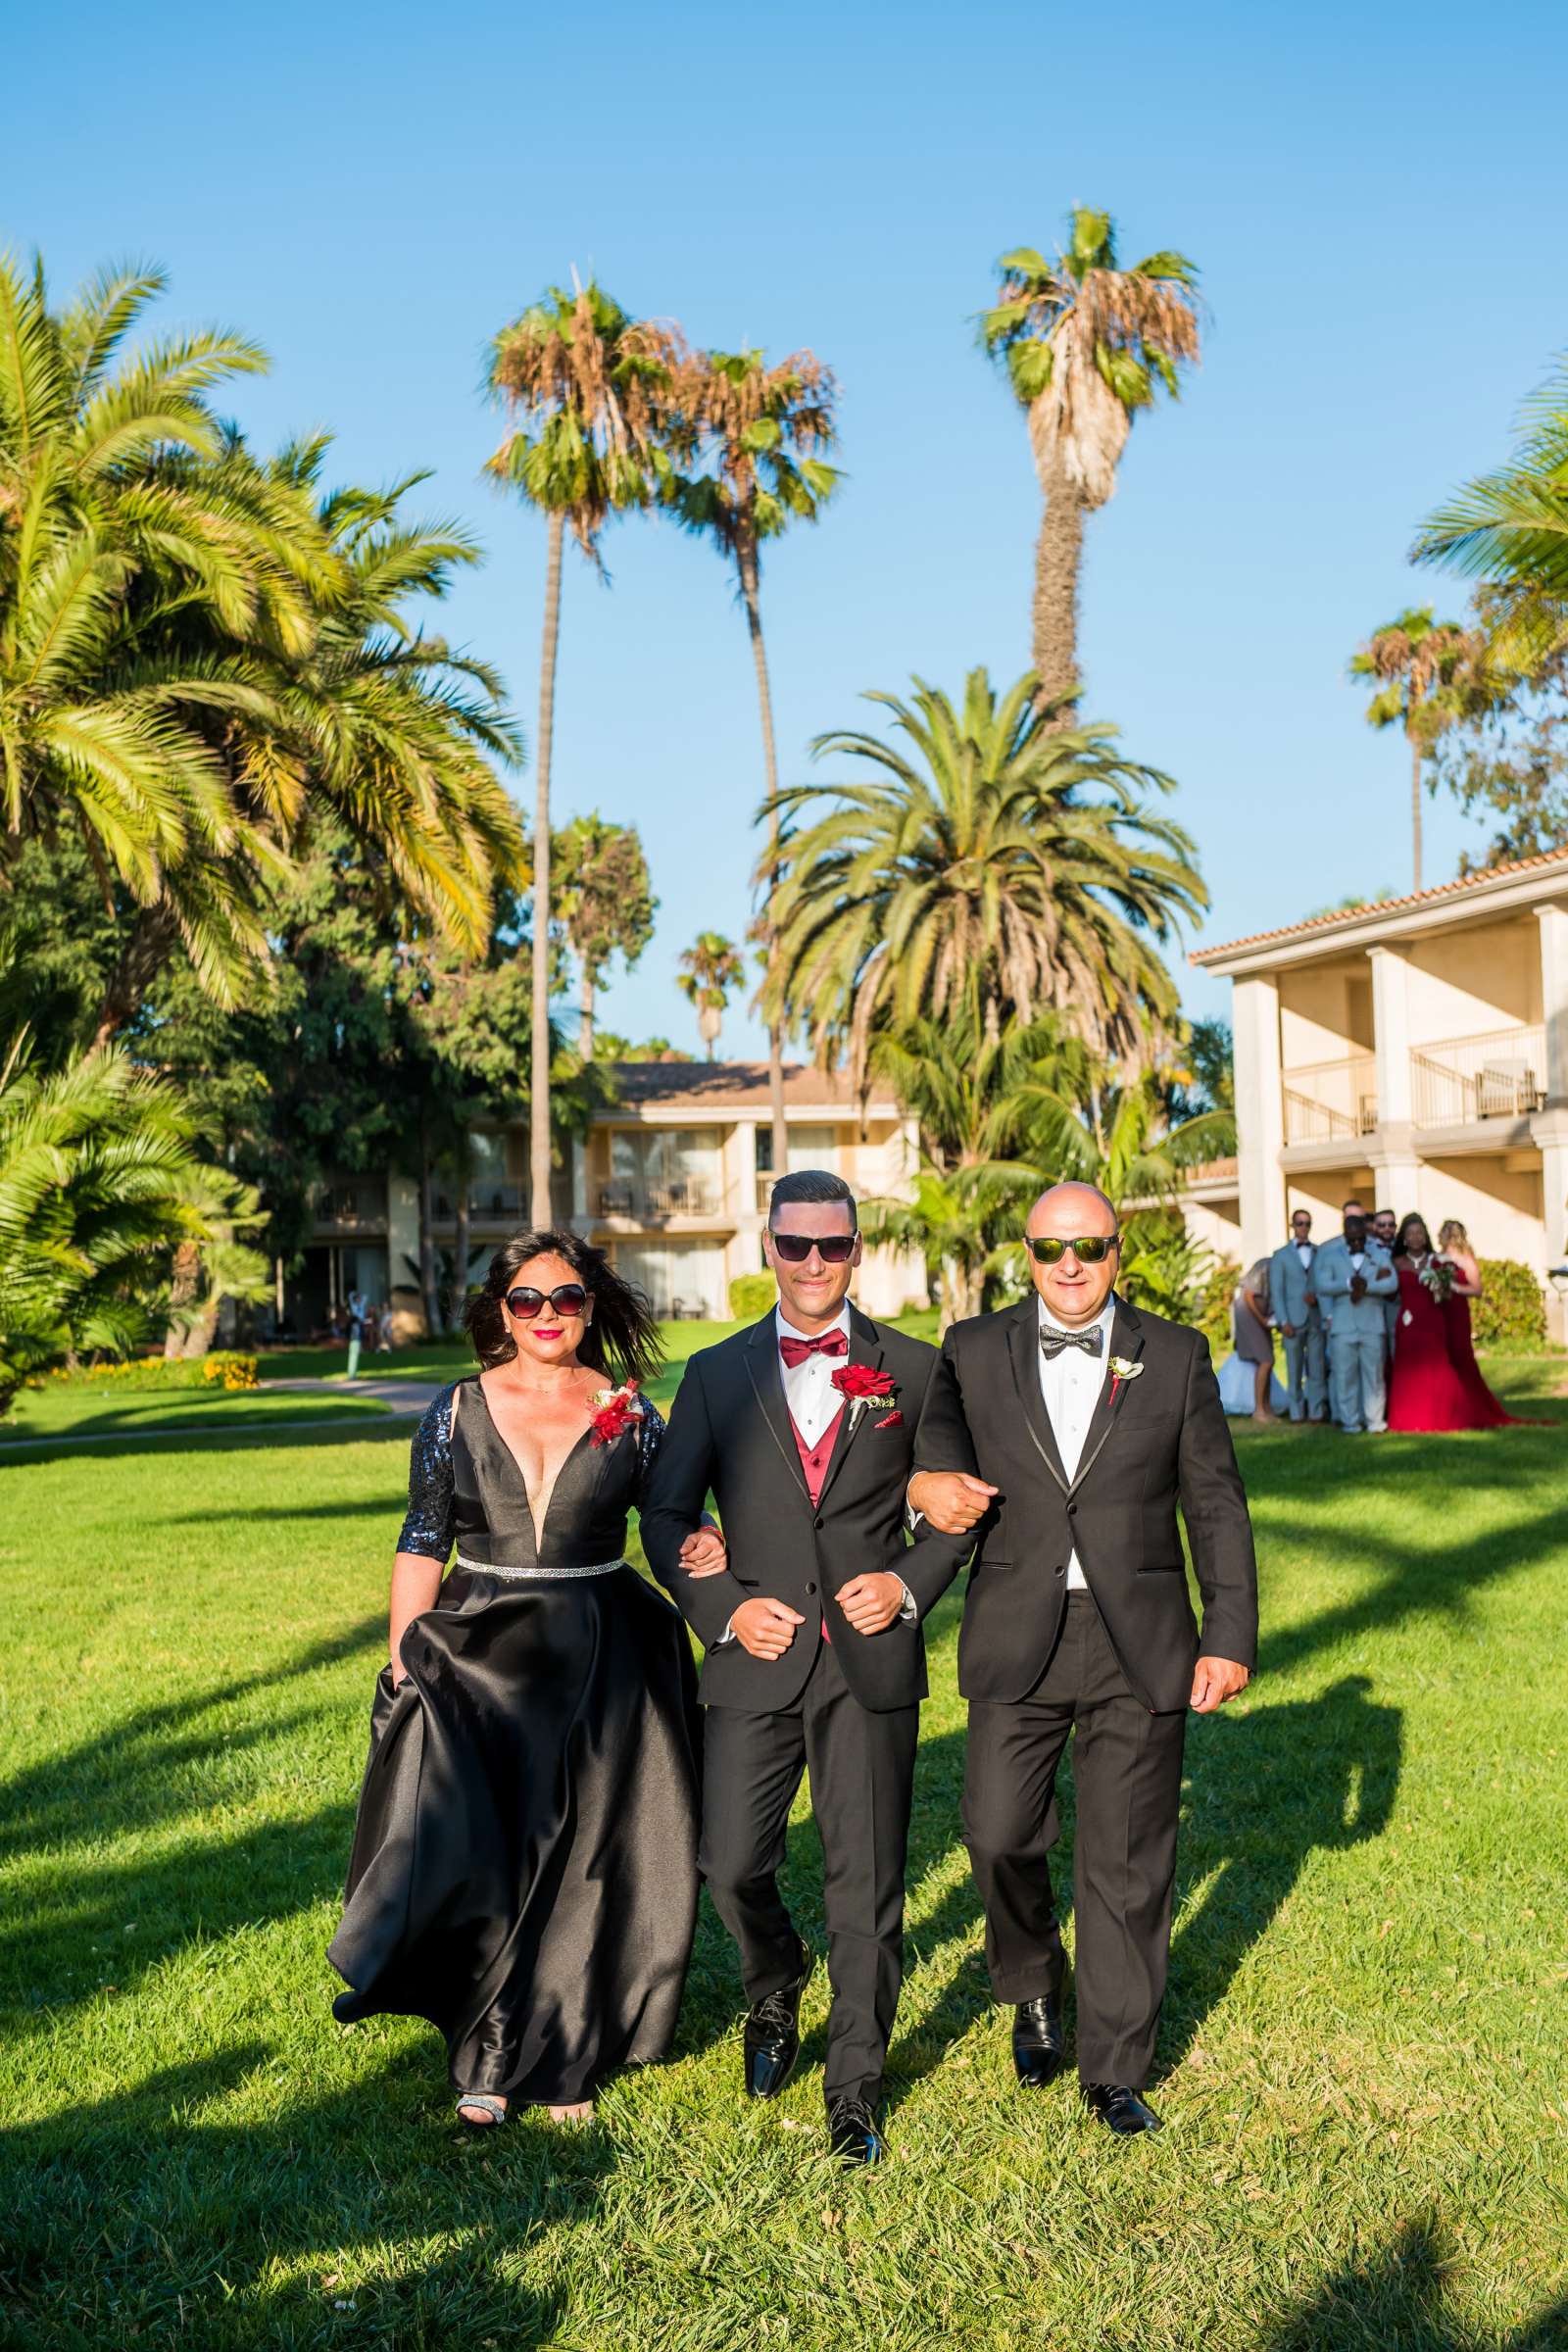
(1119, 2109)
(852, 2130)
(1039, 2040)
(773, 2034)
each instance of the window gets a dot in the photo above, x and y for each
(809, 1148)
(663, 1171)
(680, 1278)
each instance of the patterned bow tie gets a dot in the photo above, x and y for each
(1053, 1341)
(827, 1343)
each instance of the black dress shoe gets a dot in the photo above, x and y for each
(1119, 2109)
(852, 2130)
(773, 2034)
(1039, 2040)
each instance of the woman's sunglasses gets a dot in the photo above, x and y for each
(1090, 1249)
(570, 1299)
(835, 1249)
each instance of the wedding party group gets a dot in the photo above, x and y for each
(1375, 1324)
(549, 1780)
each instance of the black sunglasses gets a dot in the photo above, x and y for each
(567, 1299)
(835, 1249)
(1089, 1250)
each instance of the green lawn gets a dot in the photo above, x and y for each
(1362, 2055)
(69, 1411)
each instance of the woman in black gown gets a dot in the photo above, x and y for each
(524, 1863)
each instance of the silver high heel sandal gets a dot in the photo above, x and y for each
(496, 2109)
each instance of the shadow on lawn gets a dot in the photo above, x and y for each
(278, 1430)
(1264, 1791)
(1397, 2302)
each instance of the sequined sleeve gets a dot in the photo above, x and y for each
(650, 1437)
(427, 1528)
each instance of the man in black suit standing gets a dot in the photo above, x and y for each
(803, 1426)
(1066, 1431)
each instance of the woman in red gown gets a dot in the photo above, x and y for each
(1454, 1243)
(1425, 1393)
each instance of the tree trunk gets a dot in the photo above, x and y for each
(185, 1283)
(428, 1282)
(745, 557)
(463, 1226)
(585, 1012)
(147, 948)
(539, 1048)
(1416, 808)
(1058, 554)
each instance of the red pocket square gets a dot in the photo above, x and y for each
(890, 1421)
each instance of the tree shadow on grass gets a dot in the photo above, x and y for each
(207, 2210)
(1399, 2302)
(368, 1429)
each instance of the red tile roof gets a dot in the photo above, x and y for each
(727, 1086)
(1414, 898)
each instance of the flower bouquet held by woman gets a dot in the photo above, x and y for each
(524, 1863)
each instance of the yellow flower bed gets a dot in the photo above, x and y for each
(223, 1369)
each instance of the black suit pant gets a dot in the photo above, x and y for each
(861, 1767)
(1127, 1775)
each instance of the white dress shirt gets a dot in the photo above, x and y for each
(1303, 1251)
(809, 1389)
(1071, 1384)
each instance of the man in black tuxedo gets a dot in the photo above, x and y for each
(815, 1655)
(1066, 1430)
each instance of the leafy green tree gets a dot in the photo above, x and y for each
(604, 900)
(989, 847)
(1509, 530)
(756, 434)
(1507, 761)
(587, 388)
(1423, 671)
(711, 969)
(1085, 345)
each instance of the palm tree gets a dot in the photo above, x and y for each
(586, 387)
(993, 850)
(1511, 530)
(757, 433)
(711, 970)
(1422, 668)
(1085, 345)
(605, 901)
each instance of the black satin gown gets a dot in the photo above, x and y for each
(524, 1863)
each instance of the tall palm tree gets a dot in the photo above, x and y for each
(1510, 529)
(606, 903)
(1085, 345)
(711, 969)
(987, 849)
(1422, 669)
(586, 387)
(757, 433)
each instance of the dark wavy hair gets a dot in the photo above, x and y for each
(622, 1341)
(1414, 1219)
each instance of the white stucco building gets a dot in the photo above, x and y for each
(1415, 1053)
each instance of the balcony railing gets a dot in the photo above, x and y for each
(487, 1200)
(352, 1208)
(1331, 1102)
(1460, 1081)
(659, 1203)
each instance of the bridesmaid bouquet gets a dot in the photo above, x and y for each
(615, 1411)
(1437, 1276)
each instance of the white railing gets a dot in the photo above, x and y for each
(1329, 1101)
(1460, 1081)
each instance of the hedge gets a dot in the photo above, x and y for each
(751, 1295)
(222, 1370)
(1510, 1314)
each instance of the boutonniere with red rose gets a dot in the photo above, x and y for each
(1123, 1367)
(864, 1385)
(614, 1412)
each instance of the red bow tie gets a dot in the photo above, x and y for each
(827, 1343)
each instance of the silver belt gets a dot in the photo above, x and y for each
(538, 1575)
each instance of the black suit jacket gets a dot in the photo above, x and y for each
(1163, 1440)
(729, 1432)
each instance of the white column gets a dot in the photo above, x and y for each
(1553, 921)
(1390, 1035)
(1259, 1112)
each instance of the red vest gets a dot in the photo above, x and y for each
(814, 1460)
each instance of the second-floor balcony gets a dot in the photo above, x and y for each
(488, 1199)
(350, 1208)
(1461, 1081)
(1331, 1102)
(661, 1204)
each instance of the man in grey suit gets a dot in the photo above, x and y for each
(1299, 1321)
(1353, 1278)
(1386, 1234)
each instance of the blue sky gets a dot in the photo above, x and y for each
(1378, 201)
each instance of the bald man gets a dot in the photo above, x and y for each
(1065, 1431)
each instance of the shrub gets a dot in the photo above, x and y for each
(1213, 1314)
(219, 1370)
(1510, 1314)
(751, 1295)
